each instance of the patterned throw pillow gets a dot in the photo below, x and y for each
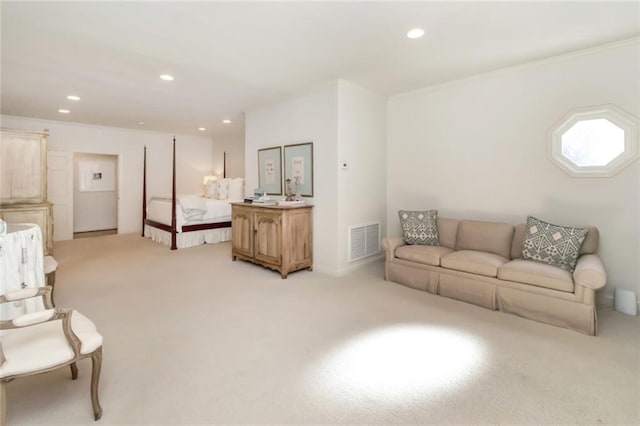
(552, 244)
(419, 227)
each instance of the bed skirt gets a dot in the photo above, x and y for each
(189, 239)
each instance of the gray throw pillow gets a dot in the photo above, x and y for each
(552, 244)
(419, 227)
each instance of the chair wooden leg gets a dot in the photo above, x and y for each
(3, 405)
(74, 371)
(51, 280)
(96, 361)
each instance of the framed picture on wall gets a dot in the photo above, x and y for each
(270, 170)
(298, 166)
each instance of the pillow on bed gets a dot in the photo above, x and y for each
(210, 189)
(236, 189)
(222, 189)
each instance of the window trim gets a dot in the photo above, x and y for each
(619, 117)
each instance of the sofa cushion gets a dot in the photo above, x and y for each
(475, 262)
(428, 255)
(419, 227)
(447, 231)
(518, 238)
(492, 237)
(590, 243)
(538, 274)
(552, 244)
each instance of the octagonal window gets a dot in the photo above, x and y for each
(596, 141)
(593, 142)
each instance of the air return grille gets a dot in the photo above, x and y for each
(364, 241)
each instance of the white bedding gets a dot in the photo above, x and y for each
(190, 210)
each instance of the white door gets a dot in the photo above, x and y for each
(60, 193)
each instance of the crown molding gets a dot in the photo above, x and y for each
(515, 68)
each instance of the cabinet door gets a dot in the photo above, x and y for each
(242, 231)
(298, 239)
(268, 238)
(22, 167)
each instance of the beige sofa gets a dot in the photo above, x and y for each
(480, 263)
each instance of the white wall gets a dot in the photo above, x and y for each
(477, 149)
(94, 210)
(362, 195)
(310, 117)
(345, 122)
(233, 145)
(194, 156)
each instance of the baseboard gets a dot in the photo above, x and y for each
(353, 267)
(359, 264)
(607, 300)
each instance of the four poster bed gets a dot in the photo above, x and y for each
(181, 221)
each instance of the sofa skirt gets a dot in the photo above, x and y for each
(563, 313)
(420, 279)
(539, 304)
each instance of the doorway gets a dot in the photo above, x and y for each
(95, 194)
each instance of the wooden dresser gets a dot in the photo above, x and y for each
(276, 237)
(23, 182)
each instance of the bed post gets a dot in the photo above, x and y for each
(224, 164)
(144, 189)
(173, 200)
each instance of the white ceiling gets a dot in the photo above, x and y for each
(231, 57)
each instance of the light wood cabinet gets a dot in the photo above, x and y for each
(276, 237)
(23, 182)
(23, 169)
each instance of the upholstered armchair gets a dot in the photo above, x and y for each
(43, 341)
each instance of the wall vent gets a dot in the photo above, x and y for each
(364, 241)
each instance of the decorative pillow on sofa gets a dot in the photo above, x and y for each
(419, 227)
(552, 244)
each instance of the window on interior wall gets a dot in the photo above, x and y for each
(595, 141)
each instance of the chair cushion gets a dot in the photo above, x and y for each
(538, 274)
(428, 255)
(475, 262)
(44, 345)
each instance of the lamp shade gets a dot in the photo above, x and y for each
(209, 178)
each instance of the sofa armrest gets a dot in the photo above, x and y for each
(390, 244)
(590, 272)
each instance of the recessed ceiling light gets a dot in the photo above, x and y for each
(166, 77)
(415, 33)
(64, 111)
(226, 121)
(73, 98)
(202, 129)
(141, 122)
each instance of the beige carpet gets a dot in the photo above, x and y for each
(194, 338)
